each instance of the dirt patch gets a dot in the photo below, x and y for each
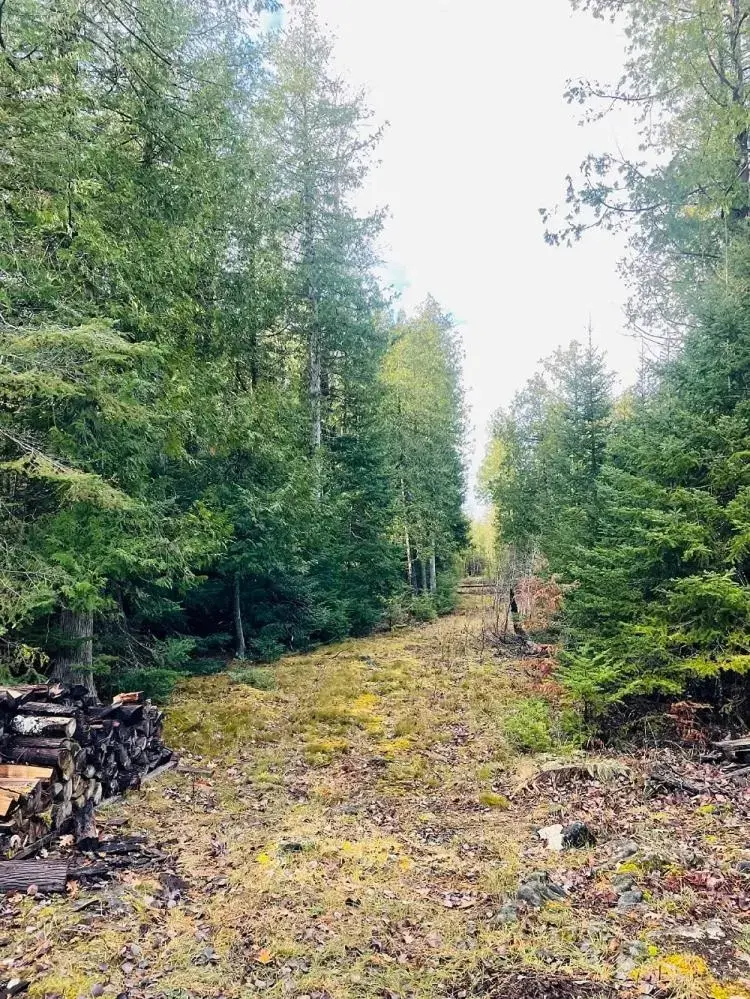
(528, 984)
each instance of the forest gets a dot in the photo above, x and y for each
(638, 501)
(276, 719)
(218, 436)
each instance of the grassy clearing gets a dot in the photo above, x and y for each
(367, 818)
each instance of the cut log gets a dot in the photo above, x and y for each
(62, 790)
(18, 784)
(55, 755)
(43, 725)
(130, 714)
(87, 837)
(734, 749)
(65, 752)
(20, 875)
(8, 802)
(30, 773)
(133, 697)
(44, 708)
(61, 812)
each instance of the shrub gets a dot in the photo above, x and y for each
(205, 667)
(446, 596)
(260, 679)
(266, 648)
(423, 608)
(157, 684)
(173, 653)
(528, 726)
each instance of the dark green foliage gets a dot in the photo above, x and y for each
(658, 600)
(196, 437)
(157, 684)
(641, 505)
(260, 679)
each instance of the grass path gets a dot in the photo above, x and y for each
(355, 839)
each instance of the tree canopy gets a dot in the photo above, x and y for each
(200, 377)
(639, 500)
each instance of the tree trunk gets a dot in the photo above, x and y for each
(316, 367)
(409, 564)
(433, 571)
(423, 572)
(75, 660)
(239, 631)
(742, 139)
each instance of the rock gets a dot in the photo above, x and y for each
(538, 888)
(638, 950)
(623, 883)
(530, 893)
(553, 836)
(577, 835)
(629, 899)
(625, 967)
(710, 930)
(508, 913)
(626, 850)
(743, 866)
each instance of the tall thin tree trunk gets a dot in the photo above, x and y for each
(433, 571)
(239, 631)
(409, 565)
(423, 572)
(316, 366)
(75, 659)
(737, 18)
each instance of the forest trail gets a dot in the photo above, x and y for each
(362, 829)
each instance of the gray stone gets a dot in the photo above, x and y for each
(508, 913)
(537, 888)
(530, 893)
(625, 850)
(629, 899)
(623, 883)
(743, 866)
(625, 967)
(638, 950)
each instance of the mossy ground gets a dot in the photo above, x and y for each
(364, 822)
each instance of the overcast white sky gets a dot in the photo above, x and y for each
(479, 139)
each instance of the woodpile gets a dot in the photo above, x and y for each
(62, 753)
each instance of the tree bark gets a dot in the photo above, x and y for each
(316, 368)
(742, 139)
(44, 725)
(239, 631)
(409, 564)
(86, 833)
(433, 571)
(423, 572)
(75, 661)
(20, 875)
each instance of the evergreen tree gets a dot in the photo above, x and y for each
(195, 437)
(426, 433)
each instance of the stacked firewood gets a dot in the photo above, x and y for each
(63, 752)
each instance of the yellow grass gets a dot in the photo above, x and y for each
(357, 838)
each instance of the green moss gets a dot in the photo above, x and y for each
(492, 800)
